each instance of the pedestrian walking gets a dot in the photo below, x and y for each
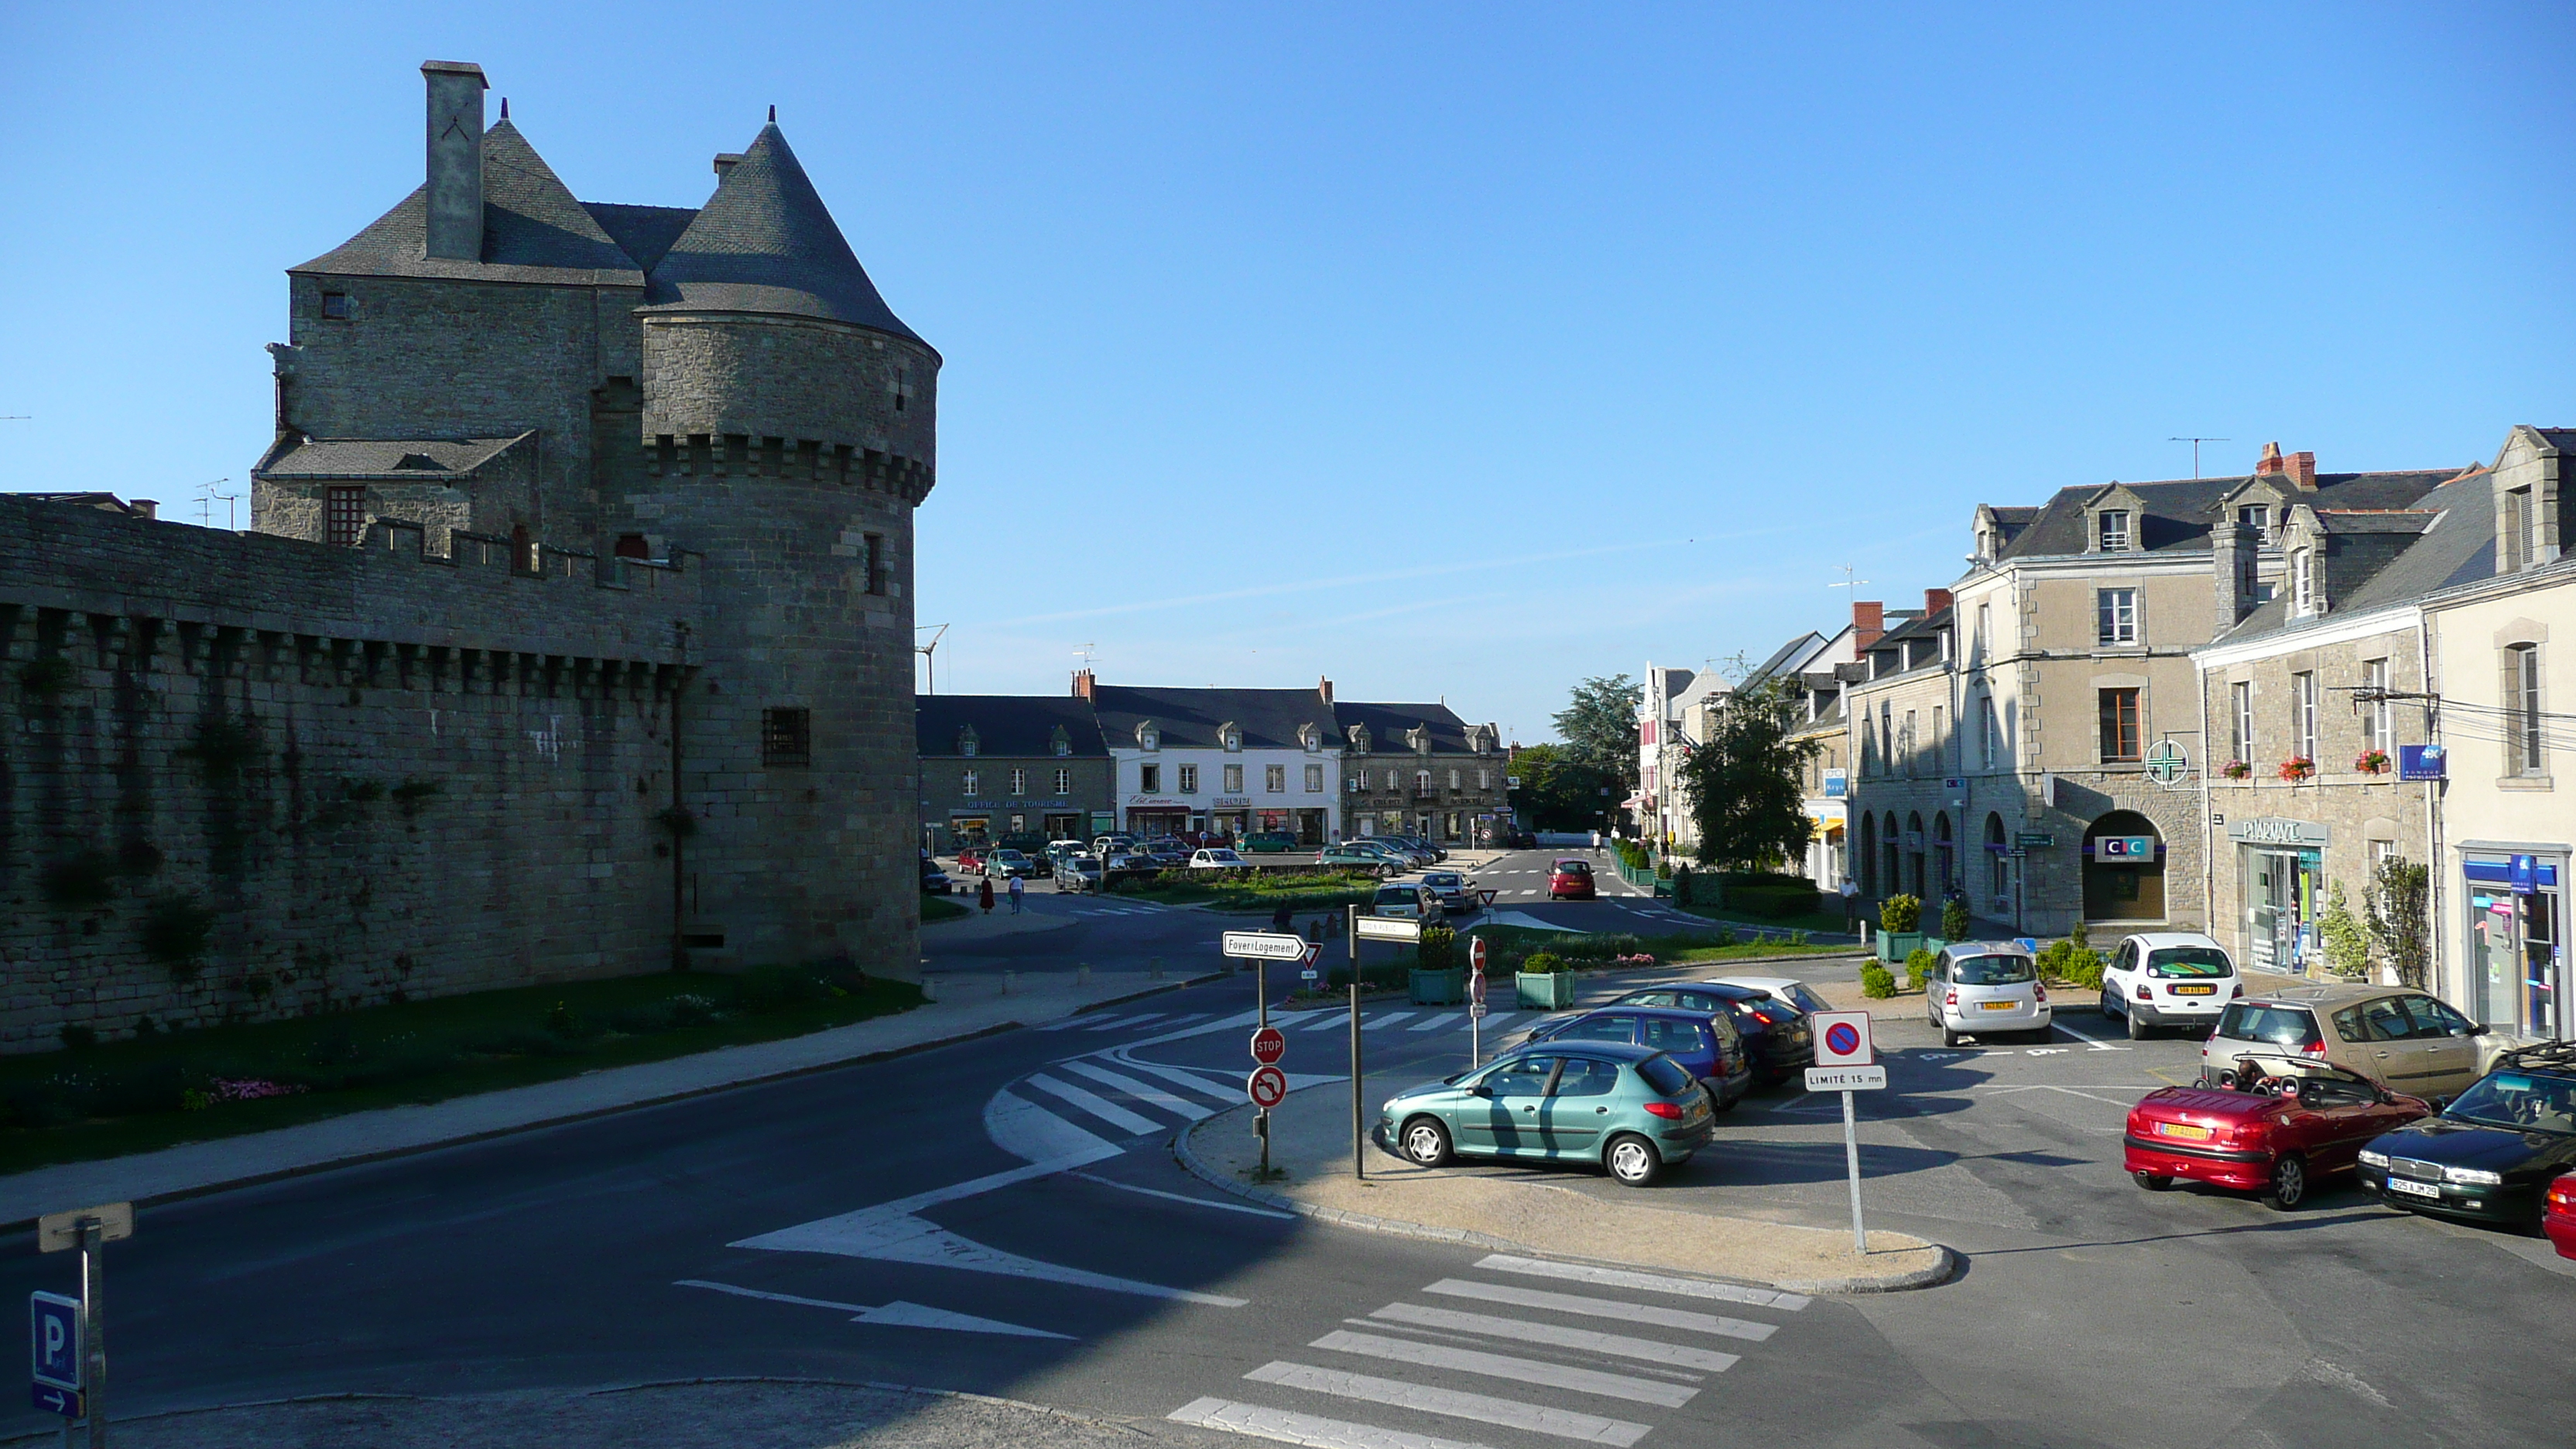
(1281, 920)
(1851, 905)
(1019, 888)
(984, 895)
(1596, 842)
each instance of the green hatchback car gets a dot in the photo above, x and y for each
(1632, 1109)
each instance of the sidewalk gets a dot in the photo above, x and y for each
(981, 927)
(967, 1007)
(1510, 1207)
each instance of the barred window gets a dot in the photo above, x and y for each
(786, 736)
(344, 515)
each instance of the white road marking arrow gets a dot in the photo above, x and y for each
(897, 1314)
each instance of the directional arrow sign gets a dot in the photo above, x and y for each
(1264, 945)
(1268, 1045)
(67, 1402)
(1267, 1087)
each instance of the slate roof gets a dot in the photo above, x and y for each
(1788, 657)
(1388, 722)
(533, 231)
(1188, 718)
(2558, 437)
(2178, 512)
(2455, 544)
(642, 232)
(425, 460)
(1007, 725)
(766, 243)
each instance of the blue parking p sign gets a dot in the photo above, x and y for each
(54, 1340)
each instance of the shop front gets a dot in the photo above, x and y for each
(2517, 940)
(2124, 869)
(2280, 884)
(1230, 816)
(1150, 816)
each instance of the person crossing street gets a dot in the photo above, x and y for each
(1019, 889)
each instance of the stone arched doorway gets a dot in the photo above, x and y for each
(1944, 855)
(2124, 869)
(1914, 853)
(1866, 858)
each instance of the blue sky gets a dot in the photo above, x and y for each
(1448, 351)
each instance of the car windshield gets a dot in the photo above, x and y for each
(2189, 961)
(1008, 855)
(1808, 1000)
(2290, 1026)
(1441, 879)
(1992, 970)
(1665, 1075)
(2523, 1101)
(1572, 867)
(1222, 855)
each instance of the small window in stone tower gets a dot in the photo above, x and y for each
(902, 389)
(876, 563)
(786, 737)
(335, 305)
(344, 515)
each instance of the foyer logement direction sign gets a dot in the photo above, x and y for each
(1265, 946)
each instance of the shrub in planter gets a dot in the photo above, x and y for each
(1876, 983)
(1954, 920)
(1437, 949)
(1898, 915)
(1918, 966)
(1542, 963)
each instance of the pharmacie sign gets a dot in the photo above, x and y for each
(2274, 830)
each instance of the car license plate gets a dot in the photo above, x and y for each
(2184, 1130)
(1999, 1005)
(2194, 990)
(2414, 1189)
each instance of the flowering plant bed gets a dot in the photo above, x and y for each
(2371, 762)
(2298, 768)
(2236, 769)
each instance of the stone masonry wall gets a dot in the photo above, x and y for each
(247, 776)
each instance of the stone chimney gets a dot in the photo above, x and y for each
(455, 159)
(726, 161)
(2231, 568)
(2270, 462)
(1869, 620)
(1934, 601)
(144, 507)
(1082, 684)
(2302, 470)
(1324, 691)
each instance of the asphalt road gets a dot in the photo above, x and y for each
(887, 1223)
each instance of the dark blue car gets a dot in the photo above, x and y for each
(1708, 1045)
(1776, 1036)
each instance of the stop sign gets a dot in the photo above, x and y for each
(1268, 1045)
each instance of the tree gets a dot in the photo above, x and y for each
(2347, 948)
(1556, 792)
(1600, 728)
(1743, 781)
(2398, 919)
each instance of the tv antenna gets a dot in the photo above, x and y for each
(1087, 653)
(206, 503)
(1849, 582)
(930, 652)
(2195, 449)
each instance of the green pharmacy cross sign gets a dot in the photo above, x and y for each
(2167, 763)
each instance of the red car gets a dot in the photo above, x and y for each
(971, 857)
(1570, 880)
(2276, 1125)
(2558, 1215)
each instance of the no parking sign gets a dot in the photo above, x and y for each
(1842, 1039)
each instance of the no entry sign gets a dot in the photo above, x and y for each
(1267, 1087)
(1842, 1039)
(1268, 1045)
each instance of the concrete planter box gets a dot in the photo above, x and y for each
(1444, 987)
(1548, 991)
(1895, 946)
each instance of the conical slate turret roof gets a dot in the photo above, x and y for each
(766, 243)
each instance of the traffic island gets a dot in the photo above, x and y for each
(1513, 1207)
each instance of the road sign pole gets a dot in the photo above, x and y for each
(93, 1275)
(1261, 1115)
(1359, 1166)
(1851, 1159)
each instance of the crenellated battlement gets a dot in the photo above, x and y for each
(803, 460)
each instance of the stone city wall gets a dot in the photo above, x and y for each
(246, 776)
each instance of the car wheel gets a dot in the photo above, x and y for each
(2108, 1010)
(1949, 1038)
(2152, 1181)
(1633, 1160)
(2289, 1184)
(1426, 1142)
(2137, 1028)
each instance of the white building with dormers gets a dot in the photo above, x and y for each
(1221, 761)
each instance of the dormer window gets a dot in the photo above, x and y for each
(1359, 739)
(1060, 742)
(2112, 530)
(2303, 582)
(1310, 737)
(1148, 736)
(1421, 739)
(2258, 517)
(1230, 736)
(969, 743)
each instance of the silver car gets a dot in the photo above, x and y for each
(1983, 989)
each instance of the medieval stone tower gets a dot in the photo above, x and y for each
(503, 365)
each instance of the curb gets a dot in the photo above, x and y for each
(1941, 1270)
(259, 1179)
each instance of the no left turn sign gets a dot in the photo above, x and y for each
(1267, 1087)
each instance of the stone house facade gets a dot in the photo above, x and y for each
(999, 765)
(1417, 769)
(703, 425)
(1899, 700)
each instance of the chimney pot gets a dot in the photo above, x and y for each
(2270, 462)
(1324, 691)
(1869, 620)
(2302, 468)
(455, 159)
(1082, 684)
